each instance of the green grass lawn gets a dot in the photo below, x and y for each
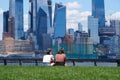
(59, 73)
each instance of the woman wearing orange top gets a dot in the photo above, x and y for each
(60, 58)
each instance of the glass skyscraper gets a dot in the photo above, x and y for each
(5, 21)
(93, 28)
(80, 27)
(16, 11)
(59, 23)
(40, 20)
(98, 11)
(45, 7)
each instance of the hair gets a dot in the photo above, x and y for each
(58, 52)
(61, 51)
(49, 51)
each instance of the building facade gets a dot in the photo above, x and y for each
(40, 22)
(93, 29)
(115, 24)
(98, 11)
(59, 23)
(71, 32)
(83, 44)
(16, 11)
(5, 21)
(80, 27)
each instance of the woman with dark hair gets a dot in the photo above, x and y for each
(60, 58)
(48, 59)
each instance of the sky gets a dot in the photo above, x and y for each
(77, 11)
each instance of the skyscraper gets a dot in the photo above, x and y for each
(46, 7)
(16, 11)
(5, 21)
(116, 24)
(93, 28)
(98, 11)
(59, 23)
(80, 27)
(40, 20)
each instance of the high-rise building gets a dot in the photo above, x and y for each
(80, 27)
(83, 44)
(116, 25)
(71, 32)
(40, 15)
(5, 21)
(93, 29)
(98, 11)
(59, 23)
(16, 11)
(46, 7)
(113, 43)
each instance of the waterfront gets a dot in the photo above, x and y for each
(109, 64)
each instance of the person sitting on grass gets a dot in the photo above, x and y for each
(48, 59)
(60, 58)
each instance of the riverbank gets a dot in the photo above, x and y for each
(59, 73)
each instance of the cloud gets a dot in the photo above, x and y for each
(114, 16)
(25, 22)
(1, 11)
(73, 5)
(75, 16)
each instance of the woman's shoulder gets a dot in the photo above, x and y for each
(64, 54)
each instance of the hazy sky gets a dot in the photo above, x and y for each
(77, 11)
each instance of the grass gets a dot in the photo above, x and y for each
(59, 73)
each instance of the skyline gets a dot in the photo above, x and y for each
(77, 11)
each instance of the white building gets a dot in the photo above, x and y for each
(93, 29)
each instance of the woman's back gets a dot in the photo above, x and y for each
(60, 57)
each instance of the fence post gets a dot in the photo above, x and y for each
(5, 62)
(36, 62)
(118, 63)
(20, 62)
(73, 63)
(95, 64)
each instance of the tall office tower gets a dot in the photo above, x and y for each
(71, 32)
(50, 11)
(98, 11)
(40, 15)
(5, 21)
(16, 11)
(44, 7)
(80, 27)
(93, 28)
(84, 43)
(59, 23)
(115, 24)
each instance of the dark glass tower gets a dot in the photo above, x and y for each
(40, 20)
(98, 11)
(5, 21)
(41, 26)
(59, 23)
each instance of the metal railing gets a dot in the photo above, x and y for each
(36, 61)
